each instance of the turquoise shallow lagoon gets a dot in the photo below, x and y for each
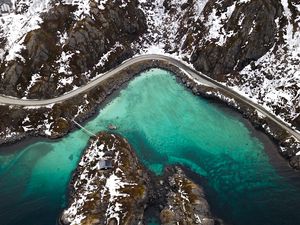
(246, 182)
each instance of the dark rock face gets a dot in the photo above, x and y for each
(94, 37)
(87, 40)
(224, 36)
(296, 122)
(39, 53)
(295, 161)
(250, 40)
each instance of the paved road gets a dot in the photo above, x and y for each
(195, 74)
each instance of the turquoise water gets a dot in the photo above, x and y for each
(166, 124)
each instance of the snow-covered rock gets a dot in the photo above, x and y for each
(109, 185)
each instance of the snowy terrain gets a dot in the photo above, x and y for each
(106, 192)
(176, 28)
(276, 82)
(16, 23)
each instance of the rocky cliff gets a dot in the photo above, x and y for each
(63, 44)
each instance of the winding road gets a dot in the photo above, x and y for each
(195, 74)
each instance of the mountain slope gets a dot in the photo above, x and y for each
(66, 46)
(50, 47)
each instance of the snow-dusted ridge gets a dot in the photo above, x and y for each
(15, 24)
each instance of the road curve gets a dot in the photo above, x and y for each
(195, 74)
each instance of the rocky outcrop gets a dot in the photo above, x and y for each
(65, 50)
(296, 122)
(185, 201)
(111, 187)
(249, 40)
(295, 161)
(39, 51)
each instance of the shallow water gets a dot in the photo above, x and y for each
(166, 124)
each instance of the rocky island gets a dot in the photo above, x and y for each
(110, 186)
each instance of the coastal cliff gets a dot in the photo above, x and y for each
(111, 187)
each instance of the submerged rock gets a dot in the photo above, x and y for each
(112, 127)
(295, 162)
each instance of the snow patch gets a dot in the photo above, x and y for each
(14, 27)
(83, 7)
(215, 24)
(64, 62)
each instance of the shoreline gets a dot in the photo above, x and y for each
(285, 145)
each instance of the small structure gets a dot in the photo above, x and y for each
(112, 127)
(104, 164)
